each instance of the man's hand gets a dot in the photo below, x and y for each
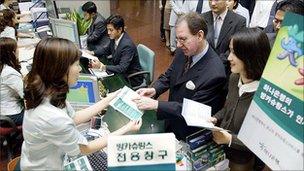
(300, 81)
(95, 63)
(147, 92)
(146, 103)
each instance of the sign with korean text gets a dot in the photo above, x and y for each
(141, 152)
(274, 125)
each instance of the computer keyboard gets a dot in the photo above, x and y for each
(98, 161)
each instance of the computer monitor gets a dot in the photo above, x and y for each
(51, 8)
(65, 29)
(84, 93)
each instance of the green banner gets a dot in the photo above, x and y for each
(282, 107)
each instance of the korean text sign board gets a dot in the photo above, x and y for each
(274, 125)
(142, 152)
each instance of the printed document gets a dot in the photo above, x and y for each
(99, 74)
(197, 114)
(124, 104)
(87, 55)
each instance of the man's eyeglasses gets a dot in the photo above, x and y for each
(181, 40)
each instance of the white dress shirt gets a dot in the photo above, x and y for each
(11, 91)
(261, 13)
(8, 32)
(243, 12)
(118, 40)
(199, 56)
(2, 7)
(219, 23)
(247, 88)
(49, 133)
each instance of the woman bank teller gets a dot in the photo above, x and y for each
(11, 83)
(49, 126)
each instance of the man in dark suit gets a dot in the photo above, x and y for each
(196, 73)
(97, 33)
(124, 52)
(295, 6)
(222, 24)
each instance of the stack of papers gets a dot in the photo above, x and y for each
(99, 74)
(124, 104)
(197, 114)
(87, 55)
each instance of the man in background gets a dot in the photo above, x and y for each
(295, 6)
(222, 24)
(97, 33)
(124, 58)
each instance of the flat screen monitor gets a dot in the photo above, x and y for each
(65, 29)
(84, 93)
(51, 8)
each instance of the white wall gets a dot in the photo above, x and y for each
(103, 7)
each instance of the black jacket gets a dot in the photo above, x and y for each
(97, 33)
(124, 59)
(231, 24)
(208, 76)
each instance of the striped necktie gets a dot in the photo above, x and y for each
(217, 29)
(188, 63)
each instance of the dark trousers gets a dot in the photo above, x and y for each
(17, 119)
(162, 11)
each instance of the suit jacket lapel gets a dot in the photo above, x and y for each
(209, 21)
(226, 27)
(114, 51)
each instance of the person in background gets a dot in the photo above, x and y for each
(295, 6)
(49, 126)
(249, 5)
(261, 13)
(249, 51)
(124, 59)
(272, 14)
(8, 21)
(7, 4)
(196, 73)
(178, 9)
(11, 84)
(166, 26)
(97, 33)
(162, 4)
(236, 7)
(222, 24)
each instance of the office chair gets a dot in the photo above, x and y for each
(10, 136)
(14, 164)
(147, 62)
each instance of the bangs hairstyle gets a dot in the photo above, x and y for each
(251, 45)
(8, 47)
(52, 60)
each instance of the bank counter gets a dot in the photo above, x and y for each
(115, 120)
